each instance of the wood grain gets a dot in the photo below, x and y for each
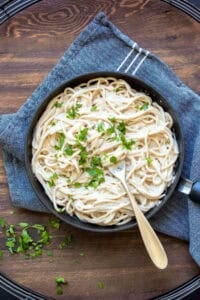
(31, 43)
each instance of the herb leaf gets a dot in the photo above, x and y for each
(96, 161)
(97, 177)
(10, 230)
(100, 285)
(145, 106)
(58, 104)
(110, 130)
(3, 223)
(77, 184)
(112, 120)
(72, 113)
(61, 140)
(66, 242)
(122, 127)
(93, 108)
(26, 237)
(60, 280)
(54, 223)
(83, 155)
(10, 244)
(49, 252)
(23, 224)
(59, 290)
(68, 150)
(100, 127)
(38, 227)
(44, 237)
(82, 135)
(52, 179)
(113, 159)
(149, 160)
(94, 172)
(126, 143)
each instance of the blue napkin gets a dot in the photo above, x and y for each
(100, 47)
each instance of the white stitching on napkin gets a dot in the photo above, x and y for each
(127, 56)
(141, 62)
(134, 59)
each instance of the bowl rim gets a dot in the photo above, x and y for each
(144, 87)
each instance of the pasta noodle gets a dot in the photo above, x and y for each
(85, 130)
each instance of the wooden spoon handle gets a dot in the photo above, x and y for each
(150, 238)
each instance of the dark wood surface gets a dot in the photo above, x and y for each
(30, 44)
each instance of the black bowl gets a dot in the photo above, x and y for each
(139, 86)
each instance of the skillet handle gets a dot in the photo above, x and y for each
(195, 192)
(192, 189)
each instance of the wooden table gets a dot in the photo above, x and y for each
(30, 45)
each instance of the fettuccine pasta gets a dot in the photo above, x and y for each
(87, 129)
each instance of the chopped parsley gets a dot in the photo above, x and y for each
(3, 223)
(72, 113)
(58, 104)
(110, 130)
(59, 290)
(100, 127)
(54, 223)
(113, 159)
(10, 231)
(59, 282)
(97, 177)
(10, 244)
(100, 285)
(93, 108)
(53, 123)
(116, 90)
(66, 242)
(94, 172)
(45, 237)
(145, 106)
(68, 150)
(61, 140)
(28, 239)
(149, 160)
(126, 143)
(49, 252)
(38, 227)
(23, 224)
(77, 184)
(25, 243)
(96, 161)
(37, 252)
(83, 155)
(122, 127)
(112, 120)
(82, 135)
(52, 178)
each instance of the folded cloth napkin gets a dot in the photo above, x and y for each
(100, 47)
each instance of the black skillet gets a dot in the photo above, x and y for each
(183, 185)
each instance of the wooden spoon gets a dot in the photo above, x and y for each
(150, 239)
